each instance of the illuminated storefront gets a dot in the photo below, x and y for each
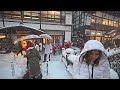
(94, 25)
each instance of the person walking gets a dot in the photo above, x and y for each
(20, 49)
(92, 63)
(54, 49)
(33, 57)
(48, 50)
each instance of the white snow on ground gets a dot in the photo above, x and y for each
(56, 70)
(14, 67)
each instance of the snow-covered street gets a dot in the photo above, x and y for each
(14, 67)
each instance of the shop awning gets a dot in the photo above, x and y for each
(13, 29)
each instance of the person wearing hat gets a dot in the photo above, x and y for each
(92, 63)
(33, 57)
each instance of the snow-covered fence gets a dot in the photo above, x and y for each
(114, 59)
(66, 53)
(113, 56)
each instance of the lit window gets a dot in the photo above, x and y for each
(115, 24)
(57, 13)
(98, 33)
(99, 20)
(35, 13)
(2, 36)
(92, 33)
(105, 22)
(93, 19)
(27, 14)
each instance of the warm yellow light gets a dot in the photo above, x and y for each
(93, 33)
(113, 33)
(53, 12)
(98, 33)
(43, 40)
(2, 36)
(106, 36)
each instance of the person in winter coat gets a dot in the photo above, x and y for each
(92, 63)
(20, 48)
(60, 47)
(117, 42)
(67, 45)
(48, 50)
(54, 49)
(33, 57)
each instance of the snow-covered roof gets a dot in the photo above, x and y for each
(15, 26)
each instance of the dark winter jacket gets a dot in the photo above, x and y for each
(33, 61)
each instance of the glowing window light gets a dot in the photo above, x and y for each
(106, 36)
(98, 33)
(43, 40)
(53, 12)
(2, 36)
(92, 33)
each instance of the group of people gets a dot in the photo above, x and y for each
(67, 44)
(92, 63)
(33, 58)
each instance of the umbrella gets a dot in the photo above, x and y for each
(45, 36)
(28, 37)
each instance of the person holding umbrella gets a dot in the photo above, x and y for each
(48, 50)
(33, 57)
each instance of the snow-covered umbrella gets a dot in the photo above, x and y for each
(46, 36)
(28, 37)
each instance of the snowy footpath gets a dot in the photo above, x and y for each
(14, 67)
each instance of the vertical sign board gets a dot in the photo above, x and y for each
(88, 21)
(68, 19)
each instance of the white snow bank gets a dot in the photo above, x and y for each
(72, 58)
(69, 50)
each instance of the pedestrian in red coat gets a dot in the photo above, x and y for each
(67, 45)
(54, 50)
(60, 47)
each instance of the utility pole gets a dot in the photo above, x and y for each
(40, 19)
(22, 14)
(3, 18)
